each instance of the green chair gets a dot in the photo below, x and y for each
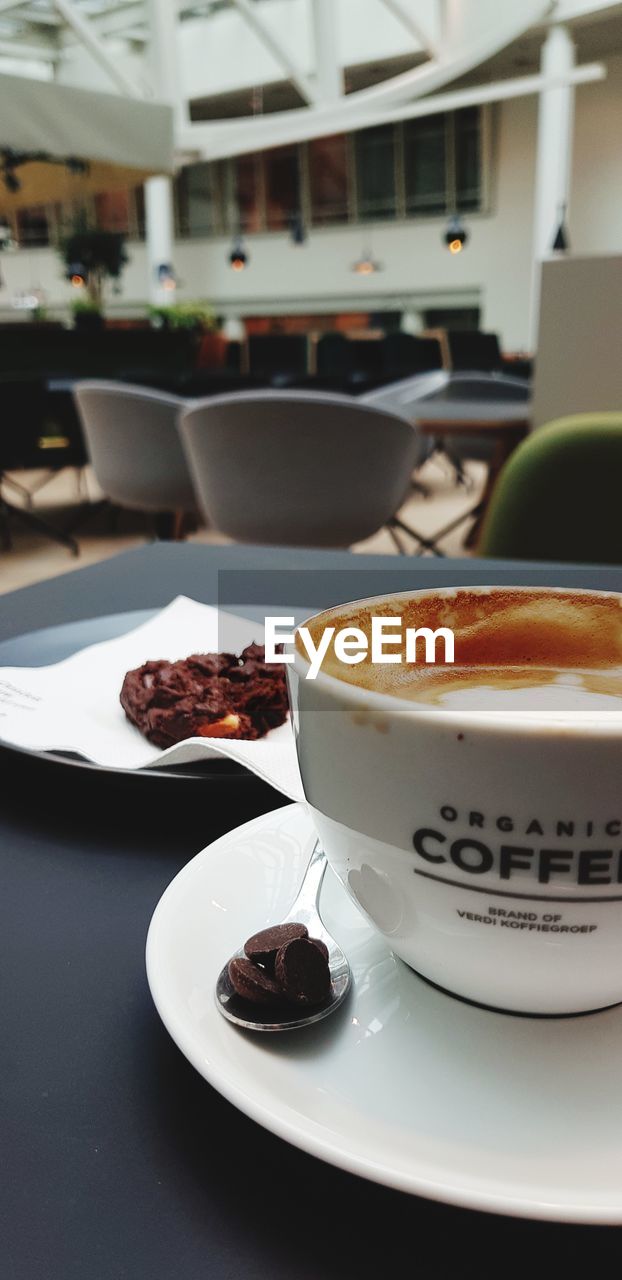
(558, 496)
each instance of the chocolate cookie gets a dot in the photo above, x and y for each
(210, 695)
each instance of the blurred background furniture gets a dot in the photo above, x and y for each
(558, 497)
(402, 398)
(361, 364)
(505, 434)
(299, 468)
(404, 354)
(333, 357)
(472, 350)
(277, 357)
(456, 398)
(466, 416)
(31, 440)
(479, 398)
(55, 352)
(134, 446)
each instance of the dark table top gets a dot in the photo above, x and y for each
(119, 1160)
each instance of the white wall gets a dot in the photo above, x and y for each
(495, 268)
(595, 214)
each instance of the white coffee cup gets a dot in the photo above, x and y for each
(486, 848)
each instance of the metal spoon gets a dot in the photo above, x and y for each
(305, 910)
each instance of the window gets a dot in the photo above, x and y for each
(468, 158)
(452, 318)
(375, 169)
(328, 180)
(197, 200)
(32, 227)
(247, 193)
(428, 166)
(282, 187)
(425, 165)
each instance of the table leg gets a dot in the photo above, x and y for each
(504, 447)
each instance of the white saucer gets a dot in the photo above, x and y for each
(404, 1085)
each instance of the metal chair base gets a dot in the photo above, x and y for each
(9, 512)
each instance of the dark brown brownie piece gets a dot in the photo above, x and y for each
(214, 695)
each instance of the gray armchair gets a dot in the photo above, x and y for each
(299, 468)
(133, 443)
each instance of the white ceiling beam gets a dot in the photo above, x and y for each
(479, 95)
(485, 38)
(329, 79)
(29, 52)
(303, 83)
(125, 22)
(207, 141)
(88, 36)
(39, 17)
(412, 25)
(127, 15)
(116, 21)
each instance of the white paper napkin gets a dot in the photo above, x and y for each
(74, 705)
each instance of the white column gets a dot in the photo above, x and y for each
(554, 156)
(159, 235)
(328, 72)
(165, 79)
(163, 57)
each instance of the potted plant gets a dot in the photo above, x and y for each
(91, 257)
(184, 315)
(87, 314)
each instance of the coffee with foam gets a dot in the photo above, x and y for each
(516, 649)
(475, 813)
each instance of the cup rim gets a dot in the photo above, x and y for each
(558, 724)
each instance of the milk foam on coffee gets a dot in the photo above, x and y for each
(523, 650)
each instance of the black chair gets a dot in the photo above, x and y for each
(367, 357)
(404, 354)
(47, 353)
(334, 356)
(276, 356)
(472, 351)
(233, 357)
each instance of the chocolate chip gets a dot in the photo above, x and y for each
(302, 971)
(263, 946)
(252, 983)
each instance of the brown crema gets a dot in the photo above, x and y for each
(506, 639)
